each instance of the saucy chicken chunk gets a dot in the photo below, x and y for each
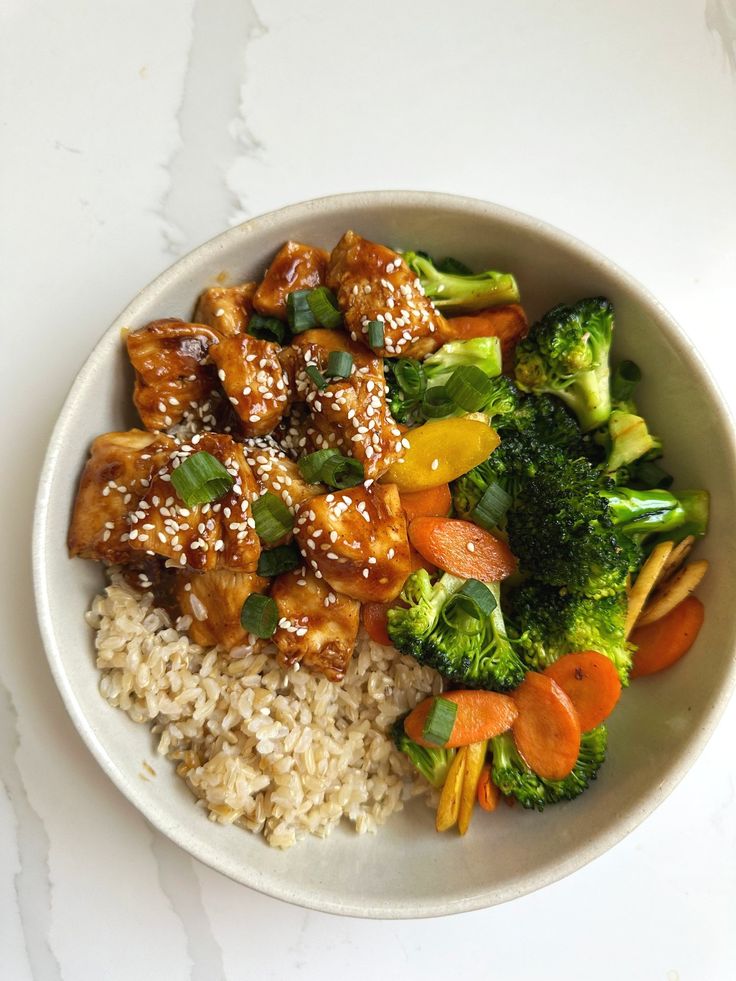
(356, 539)
(317, 625)
(117, 472)
(171, 374)
(294, 267)
(372, 282)
(216, 535)
(214, 600)
(250, 372)
(226, 308)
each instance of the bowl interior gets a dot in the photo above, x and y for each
(660, 725)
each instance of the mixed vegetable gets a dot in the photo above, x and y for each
(373, 434)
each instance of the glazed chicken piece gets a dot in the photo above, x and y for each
(373, 282)
(350, 414)
(317, 625)
(214, 600)
(251, 374)
(226, 308)
(294, 267)
(117, 472)
(218, 535)
(278, 473)
(356, 539)
(171, 376)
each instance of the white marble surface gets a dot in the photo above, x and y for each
(131, 131)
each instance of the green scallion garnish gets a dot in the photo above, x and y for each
(266, 328)
(475, 595)
(492, 506)
(200, 479)
(468, 387)
(298, 311)
(323, 304)
(339, 364)
(283, 558)
(317, 377)
(437, 404)
(440, 721)
(259, 615)
(332, 468)
(375, 333)
(272, 517)
(410, 377)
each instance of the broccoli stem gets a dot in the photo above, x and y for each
(588, 397)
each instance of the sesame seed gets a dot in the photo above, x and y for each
(471, 547)
(435, 464)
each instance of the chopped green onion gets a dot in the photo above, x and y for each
(311, 464)
(283, 558)
(492, 506)
(339, 364)
(440, 721)
(454, 267)
(331, 467)
(272, 517)
(410, 377)
(299, 312)
(476, 593)
(201, 478)
(266, 328)
(324, 307)
(317, 377)
(651, 476)
(375, 333)
(468, 387)
(437, 403)
(624, 380)
(259, 615)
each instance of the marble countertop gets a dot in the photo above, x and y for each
(133, 131)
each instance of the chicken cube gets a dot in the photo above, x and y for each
(226, 308)
(254, 381)
(278, 473)
(294, 267)
(214, 600)
(117, 472)
(317, 625)
(170, 372)
(217, 535)
(372, 282)
(356, 539)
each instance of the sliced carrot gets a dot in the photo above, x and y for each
(508, 323)
(375, 622)
(419, 562)
(591, 682)
(480, 715)
(663, 642)
(547, 730)
(434, 501)
(488, 793)
(462, 548)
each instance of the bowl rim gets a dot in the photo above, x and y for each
(633, 815)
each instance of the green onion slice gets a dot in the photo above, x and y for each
(410, 377)
(272, 517)
(375, 333)
(624, 380)
(437, 403)
(201, 478)
(317, 377)
(283, 558)
(440, 721)
(331, 467)
(311, 465)
(651, 476)
(298, 311)
(339, 364)
(259, 615)
(491, 508)
(476, 593)
(266, 328)
(323, 304)
(454, 267)
(468, 387)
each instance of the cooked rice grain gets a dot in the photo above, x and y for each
(284, 753)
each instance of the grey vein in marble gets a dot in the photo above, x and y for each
(720, 18)
(180, 885)
(32, 881)
(211, 127)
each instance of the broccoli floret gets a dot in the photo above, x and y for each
(544, 418)
(482, 352)
(670, 516)
(451, 290)
(410, 626)
(503, 401)
(514, 778)
(625, 437)
(546, 624)
(566, 354)
(475, 653)
(433, 763)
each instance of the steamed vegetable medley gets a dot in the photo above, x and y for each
(374, 434)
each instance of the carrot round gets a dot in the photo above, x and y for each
(591, 682)
(487, 792)
(462, 548)
(375, 622)
(480, 715)
(663, 642)
(546, 730)
(434, 501)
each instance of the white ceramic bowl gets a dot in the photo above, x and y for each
(660, 726)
